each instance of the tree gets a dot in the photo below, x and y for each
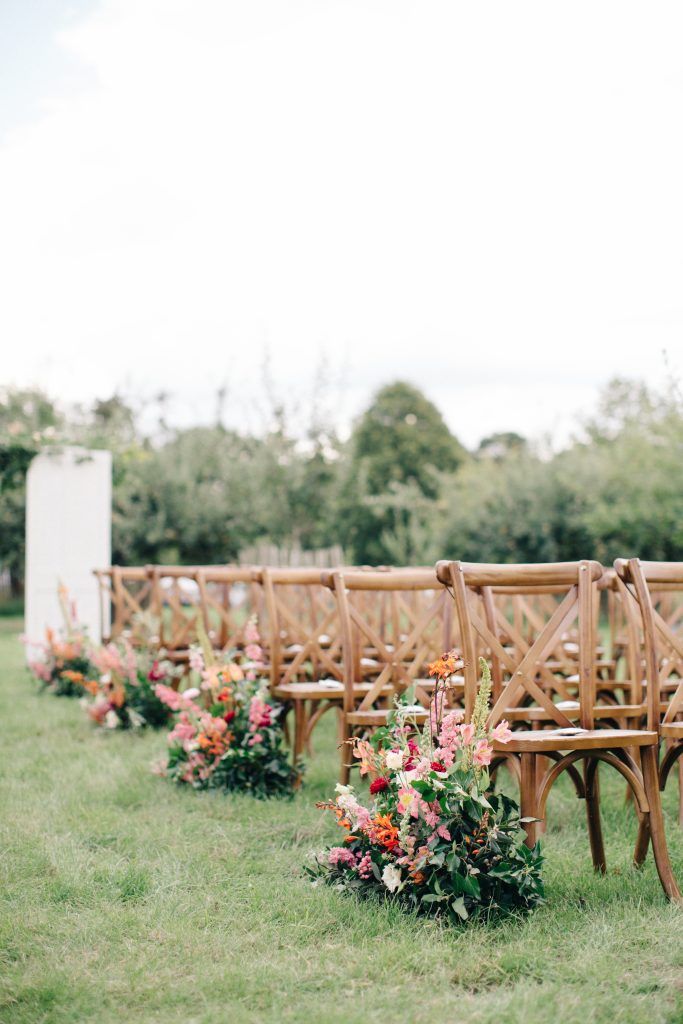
(400, 448)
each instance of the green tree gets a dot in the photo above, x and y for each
(400, 447)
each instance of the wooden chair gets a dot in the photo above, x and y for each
(129, 591)
(229, 596)
(560, 743)
(416, 632)
(304, 644)
(653, 593)
(176, 606)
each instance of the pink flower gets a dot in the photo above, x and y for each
(253, 652)
(466, 733)
(174, 700)
(260, 714)
(408, 801)
(107, 659)
(251, 633)
(482, 753)
(365, 754)
(430, 813)
(341, 855)
(502, 732)
(196, 660)
(365, 866)
(256, 738)
(444, 833)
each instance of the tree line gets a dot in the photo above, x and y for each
(400, 490)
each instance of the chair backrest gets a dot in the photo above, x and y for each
(415, 627)
(303, 637)
(176, 605)
(131, 592)
(229, 596)
(653, 599)
(524, 665)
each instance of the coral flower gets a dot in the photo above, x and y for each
(444, 666)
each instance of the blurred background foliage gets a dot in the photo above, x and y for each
(400, 489)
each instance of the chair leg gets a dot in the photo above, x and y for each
(680, 792)
(299, 730)
(541, 769)
(528, 797)
(649, 756)
(592, 784)
(345, 748)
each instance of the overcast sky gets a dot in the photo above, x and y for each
(483, 198)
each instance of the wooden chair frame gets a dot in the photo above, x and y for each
(632, 752)
(398, 664)
(643, 584)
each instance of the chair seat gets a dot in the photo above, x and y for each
(537, 741)
(571, 710)
(379, 716)
(672, 730)
(324, 689)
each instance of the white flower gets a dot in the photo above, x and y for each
(191, 693)
(111, 720)
(342, 790)
(394, 760)
(391, 876)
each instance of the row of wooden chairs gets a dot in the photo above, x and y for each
(575, 695)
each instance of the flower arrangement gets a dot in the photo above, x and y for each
(123, 694)
(433, 835)
(227, 734)
(63, 664)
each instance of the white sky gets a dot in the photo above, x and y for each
(484, 198)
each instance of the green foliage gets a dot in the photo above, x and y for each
(401, 490)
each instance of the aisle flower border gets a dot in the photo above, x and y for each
(434, 838)
(228, 733)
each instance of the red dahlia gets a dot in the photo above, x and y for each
(438, 766)
(379, 785)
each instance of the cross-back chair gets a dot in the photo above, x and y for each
(418, 628)
(128, 589)
(653, 599)
(304, 643)
(176, 607)
(229, 596)
(526, 683)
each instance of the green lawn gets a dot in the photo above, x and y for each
(125, 899)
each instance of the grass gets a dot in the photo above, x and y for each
(124, 899)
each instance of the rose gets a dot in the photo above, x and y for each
(394, 760)
(391, 876)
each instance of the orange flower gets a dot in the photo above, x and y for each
(73, 677)
(383, 832)
(330, 805)
(444, 666)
